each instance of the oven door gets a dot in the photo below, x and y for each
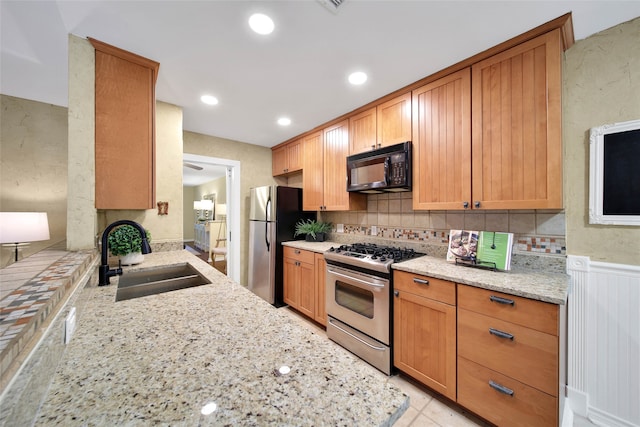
(359, 300)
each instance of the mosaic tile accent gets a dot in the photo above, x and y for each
(532, 245)
(26, 308)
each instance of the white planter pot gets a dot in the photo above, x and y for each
(132, 258)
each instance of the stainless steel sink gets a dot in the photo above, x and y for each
(153, 281)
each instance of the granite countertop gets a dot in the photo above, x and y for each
(160, 359)
(547, 287)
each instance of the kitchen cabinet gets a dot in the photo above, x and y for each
(299, 280)
(516, 127)
(287, 158)
(304, 283)
(442, 143)
(124, 128)
(508, 357)
(324, 177)
(425, 330)
(386, 124)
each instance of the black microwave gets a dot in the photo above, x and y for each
(381, 170)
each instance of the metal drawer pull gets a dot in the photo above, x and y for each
(500, 300)
(501, 388)
(420, 281)
(500, 334)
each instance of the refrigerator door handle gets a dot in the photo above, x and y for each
(266, 224)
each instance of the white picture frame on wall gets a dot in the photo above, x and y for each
(614, 174)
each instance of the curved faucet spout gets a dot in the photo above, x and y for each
(104, 272)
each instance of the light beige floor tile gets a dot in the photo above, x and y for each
(418, 397)
(424, 421)
(450, 415)
(407, 418)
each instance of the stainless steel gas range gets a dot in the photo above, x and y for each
(359, 309)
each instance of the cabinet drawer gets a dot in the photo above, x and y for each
(428, 287)
(298, 255)
(538, 315)
(527, 355)
(525, 407)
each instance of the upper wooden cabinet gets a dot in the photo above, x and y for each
(287, 158)
(363, 130)
(517, 134)
(442, 143)
(394, 121)
(386, 124)
(124, 128)
(324, 177)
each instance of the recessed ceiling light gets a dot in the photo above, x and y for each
(261, 23)
(284, 121)
(209, 100)
(357, 78)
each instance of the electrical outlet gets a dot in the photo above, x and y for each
(374, 230)
(69, 325)
(340, 228)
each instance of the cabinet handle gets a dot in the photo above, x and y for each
(465, 205)
(420, 281)
(500, 388)
(476, 204)
(396, 293)
(501, 300)
(373, 146)
(297, 252)
(500, 334)
(297, 263)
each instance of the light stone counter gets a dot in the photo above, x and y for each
(160, 359)
(547, 287)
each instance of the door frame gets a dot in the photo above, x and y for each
(233, 209)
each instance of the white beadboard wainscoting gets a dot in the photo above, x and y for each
(603, 372)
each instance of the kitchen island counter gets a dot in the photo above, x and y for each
(160, 359)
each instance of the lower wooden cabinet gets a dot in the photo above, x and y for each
(304, 285)
(508, 358)
(425, 330)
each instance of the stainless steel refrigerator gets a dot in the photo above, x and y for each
(273, 214)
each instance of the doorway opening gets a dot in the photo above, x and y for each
(203, 173)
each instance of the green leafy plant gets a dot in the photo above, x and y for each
(312, 228)
(126, 239)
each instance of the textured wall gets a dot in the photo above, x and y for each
(33, 165)
(601, 85)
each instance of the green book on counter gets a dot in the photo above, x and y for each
(495, 248)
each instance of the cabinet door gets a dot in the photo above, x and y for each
(291, 282)
(279, 161)
(294, 156)
(517, 136)
(362, 131)
(321, 295)
(307, 278)
(425, 341)
(442, 143)
(336, 149)
(313, 172)
(124, 129)
(394, 121)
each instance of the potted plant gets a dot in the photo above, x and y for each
(126, 242)
(315, 231)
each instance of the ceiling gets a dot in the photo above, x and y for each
(299, 71)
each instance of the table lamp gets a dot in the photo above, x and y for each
(23, 227)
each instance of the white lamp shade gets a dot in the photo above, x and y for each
(197, 205)
(207, 205)
(21, 227)
(221, 209)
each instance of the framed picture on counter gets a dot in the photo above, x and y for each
(614, 174)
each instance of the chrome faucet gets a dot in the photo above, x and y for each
(104, 272)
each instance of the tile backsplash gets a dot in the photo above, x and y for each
(536, 232)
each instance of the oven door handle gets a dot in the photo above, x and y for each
(355, 279)
(357, 338)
